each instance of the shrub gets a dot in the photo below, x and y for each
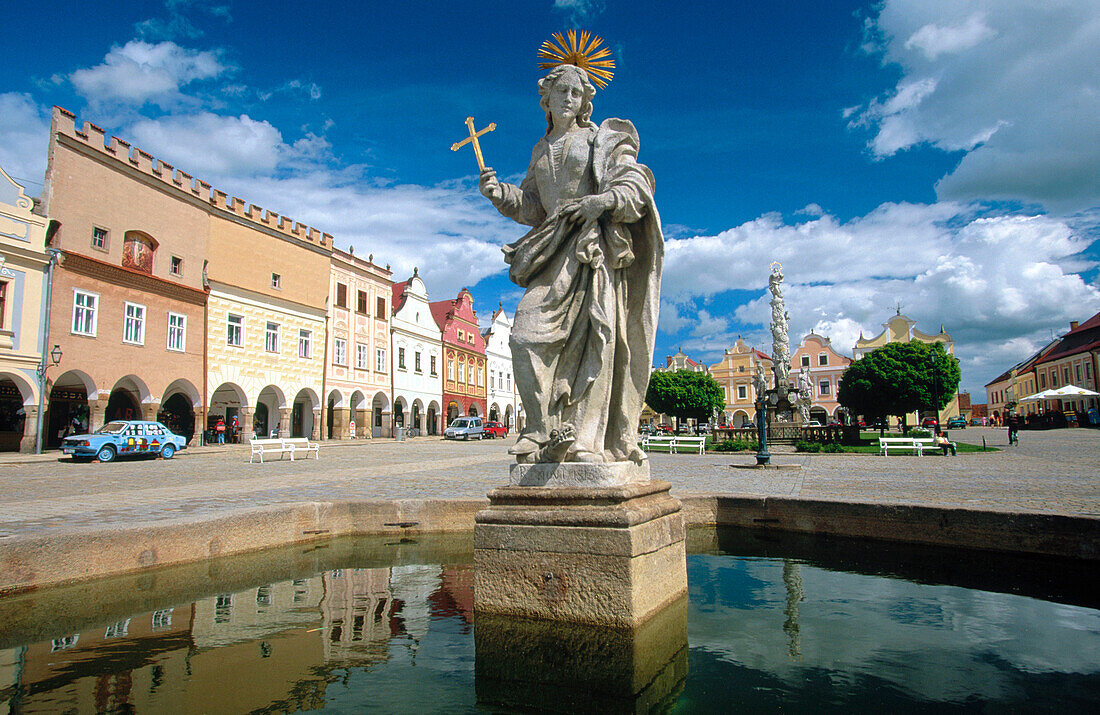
(832, 447)
(735, 445)
(801, 446)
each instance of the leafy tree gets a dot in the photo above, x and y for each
(685, 394)
(900, 378)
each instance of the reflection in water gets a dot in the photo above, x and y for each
(360, 625)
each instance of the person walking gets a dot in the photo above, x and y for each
(219, 429)
(1013, 432)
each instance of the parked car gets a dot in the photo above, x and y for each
(702, 429)
(833, 423)
(124, 438)
(813, 423)
(663, 429)
(646, 429)
(956, 423)
(929, 423)
(862, 422)
(465, 428)
(494, 430)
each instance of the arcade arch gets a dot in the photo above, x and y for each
(18, 401)
(69, 408)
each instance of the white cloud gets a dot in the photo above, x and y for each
(987, 280)
(934, 40)
(24, 133)
(140, 72)
(1014, 86)
(580, 10)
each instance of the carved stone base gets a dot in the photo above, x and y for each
(609, 556)
(578, 474)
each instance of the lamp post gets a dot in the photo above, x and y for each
(40, 370)
(935, 390)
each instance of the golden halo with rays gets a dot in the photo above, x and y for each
(586, 54)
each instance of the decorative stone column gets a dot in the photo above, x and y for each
(149, 411)
(340, 426)
(387, 424)
(315, 433)
(284, 421)
(244, 415)
(97, 414)
(599, 544)
(30, 423)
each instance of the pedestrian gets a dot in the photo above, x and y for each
(219, 428)
(236, 430)
(1013, 431)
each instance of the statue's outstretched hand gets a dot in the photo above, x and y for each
(588, 208)
(489, 186)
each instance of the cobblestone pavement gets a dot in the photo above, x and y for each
(1055, 471)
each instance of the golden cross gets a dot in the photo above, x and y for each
(473, 139)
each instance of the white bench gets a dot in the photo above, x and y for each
(916, 445)
(281, 446)
(674, 444)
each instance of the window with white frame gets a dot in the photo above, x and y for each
(85, 312)
(99, 238)
(340, 351)
(824, 388)
(133, 324)
(234, 330)
(492, 379)
(805, 361)
(380, 359)
(481, 377)
(271, 337)
(400, 358)
(823, 359)
(305, 339)
(431, 364)
(362, 356)
(276, 281)
(451, 370)
(742, 392)
(462, 372)
(177, 332)
(416, 361)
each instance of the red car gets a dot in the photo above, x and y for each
(494, 430)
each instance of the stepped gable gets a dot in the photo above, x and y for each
(176, 180)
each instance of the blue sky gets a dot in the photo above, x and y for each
(944, 155)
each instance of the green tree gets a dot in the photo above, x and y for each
(900, 378)
(685, 394)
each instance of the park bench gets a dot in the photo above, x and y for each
(916, 445)
(281, 446)
(674, 444)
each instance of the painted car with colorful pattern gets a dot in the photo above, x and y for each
(124, 438)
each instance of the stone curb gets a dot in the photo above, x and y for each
(31, 562)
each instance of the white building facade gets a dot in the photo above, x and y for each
(501, 395)
(417, 358)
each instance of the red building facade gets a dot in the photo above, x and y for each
(463, 356)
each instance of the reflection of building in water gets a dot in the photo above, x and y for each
(359, 616)
(111, 668)
(455, 595)
(412, 586)
(792, 579)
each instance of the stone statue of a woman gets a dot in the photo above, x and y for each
(582, 342)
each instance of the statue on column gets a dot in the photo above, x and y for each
(583, 335)
(805, 394)
(781, 344)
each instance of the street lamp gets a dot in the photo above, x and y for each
(43, 366)
(763, 457)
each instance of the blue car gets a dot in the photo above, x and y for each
(124, 438)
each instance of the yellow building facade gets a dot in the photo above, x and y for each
(735, 374)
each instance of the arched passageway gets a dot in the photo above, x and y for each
(15, 431)
(68, 411)
(304, 414)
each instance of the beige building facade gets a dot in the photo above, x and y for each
(735, 374)
(359, 381)
(23, 270)
(816, 354)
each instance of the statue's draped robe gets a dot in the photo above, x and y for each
(583, 335)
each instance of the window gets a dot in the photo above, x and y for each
(824, 388)
(234, 330)
(805, 361)
(341, 295)
(1065, 374)
(432, 364)
(1088, 372)
(362, 356)
(481, 377)
(380, 359)
(823, 359)
(84, 312)
(304, 339)
(1042, 381)
(509, 381)
(3, 302)
(461, 335)
(451, 370)
(462, 372)
(470, 338)
(162, 619)
(492, 379)
(742, 392)
(175, 265)
(361, 301)
(271, 338)
(1078, 372)
(133, 326)
(400, 358)
(416, 361)
(99, 238)
(380, 309)
(276, 281)
(340, 352)
(177, 332)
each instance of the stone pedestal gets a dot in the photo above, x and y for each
(610, 555)
(524, 665)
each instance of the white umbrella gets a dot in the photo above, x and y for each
(1044, 395)
(1069, 391)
